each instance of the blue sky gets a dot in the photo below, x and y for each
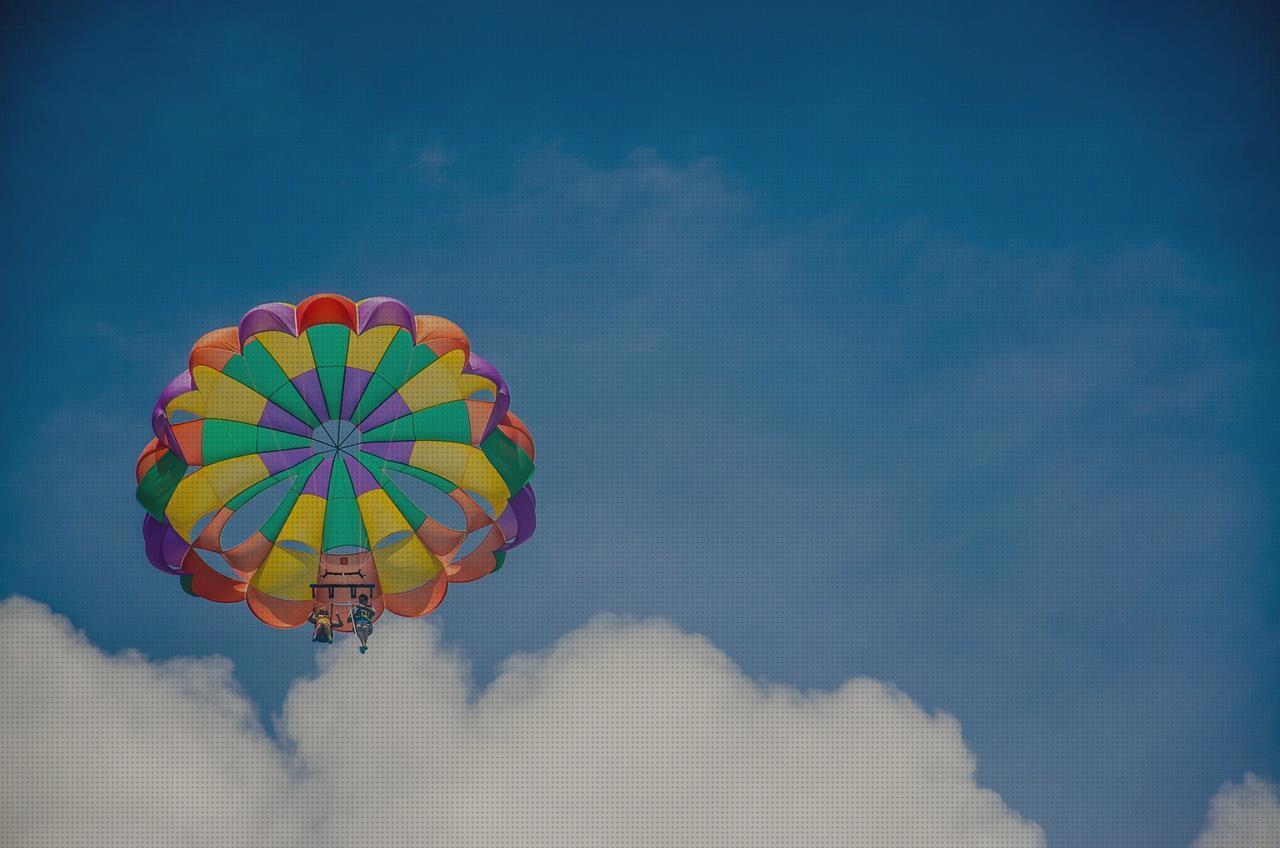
(934, 346)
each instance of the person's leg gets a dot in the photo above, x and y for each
(363, 631)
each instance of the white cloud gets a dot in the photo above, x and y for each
(117, 750)
(1243, 815)
(622, 733)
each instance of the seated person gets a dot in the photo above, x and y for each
(324, 627)
(362, 621)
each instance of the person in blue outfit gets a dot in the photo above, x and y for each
(362, 621)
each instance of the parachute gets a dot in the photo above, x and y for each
(370, 451)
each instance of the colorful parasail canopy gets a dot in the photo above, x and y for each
(343, 430)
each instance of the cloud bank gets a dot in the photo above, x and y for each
(623, 733)
(1243, 815)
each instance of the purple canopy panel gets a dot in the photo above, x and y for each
(382, 311)
(390, 409)
(277, 418)
(524, 506)
(164, 433)
(318, 482)
(501, 397)
(508, 524)
(361, 480)
(354, 382)
(277, 461)
(268, 316)
(179, 385)
(308, 385)
(153, 537)
(174, 547)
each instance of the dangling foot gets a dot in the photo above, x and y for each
(364, 648)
